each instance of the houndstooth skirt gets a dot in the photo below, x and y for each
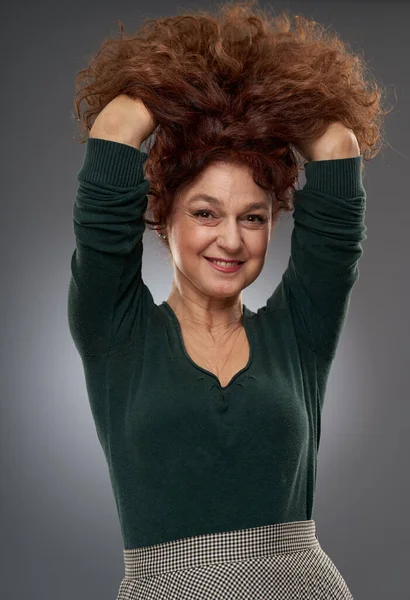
(283, 561)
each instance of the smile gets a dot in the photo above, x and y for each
(224, 267)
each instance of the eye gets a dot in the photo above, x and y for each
(200, 212)
(259, 218)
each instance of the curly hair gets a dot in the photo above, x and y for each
(239, 86)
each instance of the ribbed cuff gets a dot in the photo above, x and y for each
(340, 177)
(112, 163)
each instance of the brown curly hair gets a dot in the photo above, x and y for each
(239, 86)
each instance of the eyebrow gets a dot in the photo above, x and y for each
(215, 201)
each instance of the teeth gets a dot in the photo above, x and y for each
(222, 263)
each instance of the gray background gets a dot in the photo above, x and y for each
(60, 534)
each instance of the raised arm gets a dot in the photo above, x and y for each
(108, 303)
(325, 246)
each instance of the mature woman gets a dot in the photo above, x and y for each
(209, 414)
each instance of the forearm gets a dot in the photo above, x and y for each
(338, 141)
(345, 147)
(125, 120)
(110, 129)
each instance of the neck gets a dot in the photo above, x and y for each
(214, 315)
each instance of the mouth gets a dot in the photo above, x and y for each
(212, 258)
(225, 267)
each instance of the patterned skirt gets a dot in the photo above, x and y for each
(283, 561)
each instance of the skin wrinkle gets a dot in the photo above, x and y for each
(207, 301)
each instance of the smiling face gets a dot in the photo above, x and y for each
(227, 227)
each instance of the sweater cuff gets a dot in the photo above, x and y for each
(340, 177)
(112, 163)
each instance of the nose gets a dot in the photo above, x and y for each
(229, 237)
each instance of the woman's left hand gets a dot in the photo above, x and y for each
(338, 141)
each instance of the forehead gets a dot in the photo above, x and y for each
(220, 183)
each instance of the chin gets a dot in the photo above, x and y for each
(222, 290)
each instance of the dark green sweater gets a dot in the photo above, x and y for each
(186, 456)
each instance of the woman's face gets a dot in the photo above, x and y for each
(227, 228)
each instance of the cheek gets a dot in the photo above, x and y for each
(189, 242)
(262, 246)
(195, 239)
(256, 245)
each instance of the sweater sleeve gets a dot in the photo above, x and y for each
(325, 251)
(108, 302)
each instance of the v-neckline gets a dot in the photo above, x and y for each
(185, 352)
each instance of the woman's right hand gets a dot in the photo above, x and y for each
(125, 120)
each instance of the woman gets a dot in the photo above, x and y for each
(209, 413)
